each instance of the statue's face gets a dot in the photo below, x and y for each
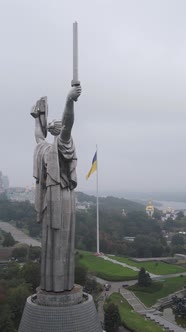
(54, 127)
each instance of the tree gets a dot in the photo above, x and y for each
(177, 250)
(177, 239)
(20, 253)
(3, 197)
(6, 323)
(91, 286)
(180, 215)
(80, 274)
(8, 240)
(151, 245)
(31, 273)
(34, 253)
(80, 270)
(12, 270)
(144, 279)
(16, 301)
(112, 318)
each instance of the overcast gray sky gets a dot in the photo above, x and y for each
(132, 65)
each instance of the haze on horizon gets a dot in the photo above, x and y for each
(132, 66)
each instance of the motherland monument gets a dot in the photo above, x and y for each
(59, 305)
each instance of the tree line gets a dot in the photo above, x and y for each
(148, 233)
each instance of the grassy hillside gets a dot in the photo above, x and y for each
(153, 266)
(105, 269)
(130, 318)
(111, 203)
(169, 286)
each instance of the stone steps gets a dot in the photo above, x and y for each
(153, 315)
(164, 323)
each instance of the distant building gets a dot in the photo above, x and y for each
(1, 183)
(83, 206)
(150, 209)
(168, 213)
(4, 182)
(21, 194)
(129, 238)
(123, 213)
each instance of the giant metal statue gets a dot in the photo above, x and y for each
(59, 305)
(55, 174)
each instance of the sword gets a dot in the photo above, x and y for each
(75, 81)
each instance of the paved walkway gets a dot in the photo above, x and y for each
(166, 276)
(134, 268)
(137, 306)
(152, 275)
(164, 323)
(101, 301)
(134, 301)
(153, 315)
(18, 235)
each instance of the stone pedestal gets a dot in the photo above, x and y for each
(63, 299)
(72, 311)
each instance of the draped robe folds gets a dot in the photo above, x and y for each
(55, 173)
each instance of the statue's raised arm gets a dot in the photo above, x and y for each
(63, 128)
(68, 114)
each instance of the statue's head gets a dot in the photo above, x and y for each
(54, 127)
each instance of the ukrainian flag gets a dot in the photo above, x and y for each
(94, 166)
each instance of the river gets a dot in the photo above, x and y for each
(174, 205)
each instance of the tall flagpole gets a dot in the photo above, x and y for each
(97, 194)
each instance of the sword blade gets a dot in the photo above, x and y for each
(75, 53)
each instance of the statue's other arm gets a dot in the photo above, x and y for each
(39, 112)
(39, 135)
(68, 114)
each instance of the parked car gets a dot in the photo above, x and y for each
(107, 286)
(125, 285)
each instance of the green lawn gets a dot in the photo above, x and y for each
(169, 286)
(131, 319)
(153, 266)
(105, 269)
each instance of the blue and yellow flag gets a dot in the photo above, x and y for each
(93, 167)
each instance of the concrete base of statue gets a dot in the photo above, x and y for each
(69, 311)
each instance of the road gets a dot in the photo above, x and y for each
(18, 235)
(115, 288)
